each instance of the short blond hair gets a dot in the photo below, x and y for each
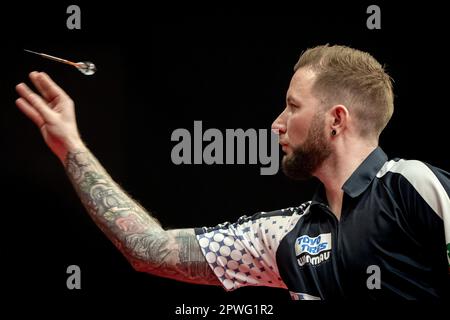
(355, 79)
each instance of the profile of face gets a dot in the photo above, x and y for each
(301, 127)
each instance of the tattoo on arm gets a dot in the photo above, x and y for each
(191, 260)
(116, 213)
(175, 253)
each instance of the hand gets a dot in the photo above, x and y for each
(53, 111)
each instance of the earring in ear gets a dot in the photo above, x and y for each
(333, 132)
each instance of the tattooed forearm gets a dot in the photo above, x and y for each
(116, 212)
(175, 254)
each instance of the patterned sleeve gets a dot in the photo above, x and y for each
(244, 253)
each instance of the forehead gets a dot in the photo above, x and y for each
(301, 84)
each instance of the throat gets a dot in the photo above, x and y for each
(336, 210)
(335, 202)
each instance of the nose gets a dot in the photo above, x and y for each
(279, 126)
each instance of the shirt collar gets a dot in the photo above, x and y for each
(365, 173)
(360, 178)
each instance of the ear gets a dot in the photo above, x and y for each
(339, 118)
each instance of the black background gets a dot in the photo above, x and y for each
(160, 69)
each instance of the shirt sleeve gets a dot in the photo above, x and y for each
(244, 253)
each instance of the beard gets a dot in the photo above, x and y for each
(307, 157)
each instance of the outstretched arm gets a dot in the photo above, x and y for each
(173, 253)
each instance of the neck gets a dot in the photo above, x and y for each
(336, 170)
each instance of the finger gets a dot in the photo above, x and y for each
(35, 79)
(30, 112)
(35, 101)
(46, 86)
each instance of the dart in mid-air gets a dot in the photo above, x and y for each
(85, 67)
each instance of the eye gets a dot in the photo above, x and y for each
(293, 106)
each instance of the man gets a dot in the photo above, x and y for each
(373, 230)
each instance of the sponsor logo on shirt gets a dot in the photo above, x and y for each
(313, 250)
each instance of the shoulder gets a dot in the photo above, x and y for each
(412, 178)
(415, 172)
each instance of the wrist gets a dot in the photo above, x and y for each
(70, 146)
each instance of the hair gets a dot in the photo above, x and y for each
(355, 79)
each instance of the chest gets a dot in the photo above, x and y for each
(326, 253)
